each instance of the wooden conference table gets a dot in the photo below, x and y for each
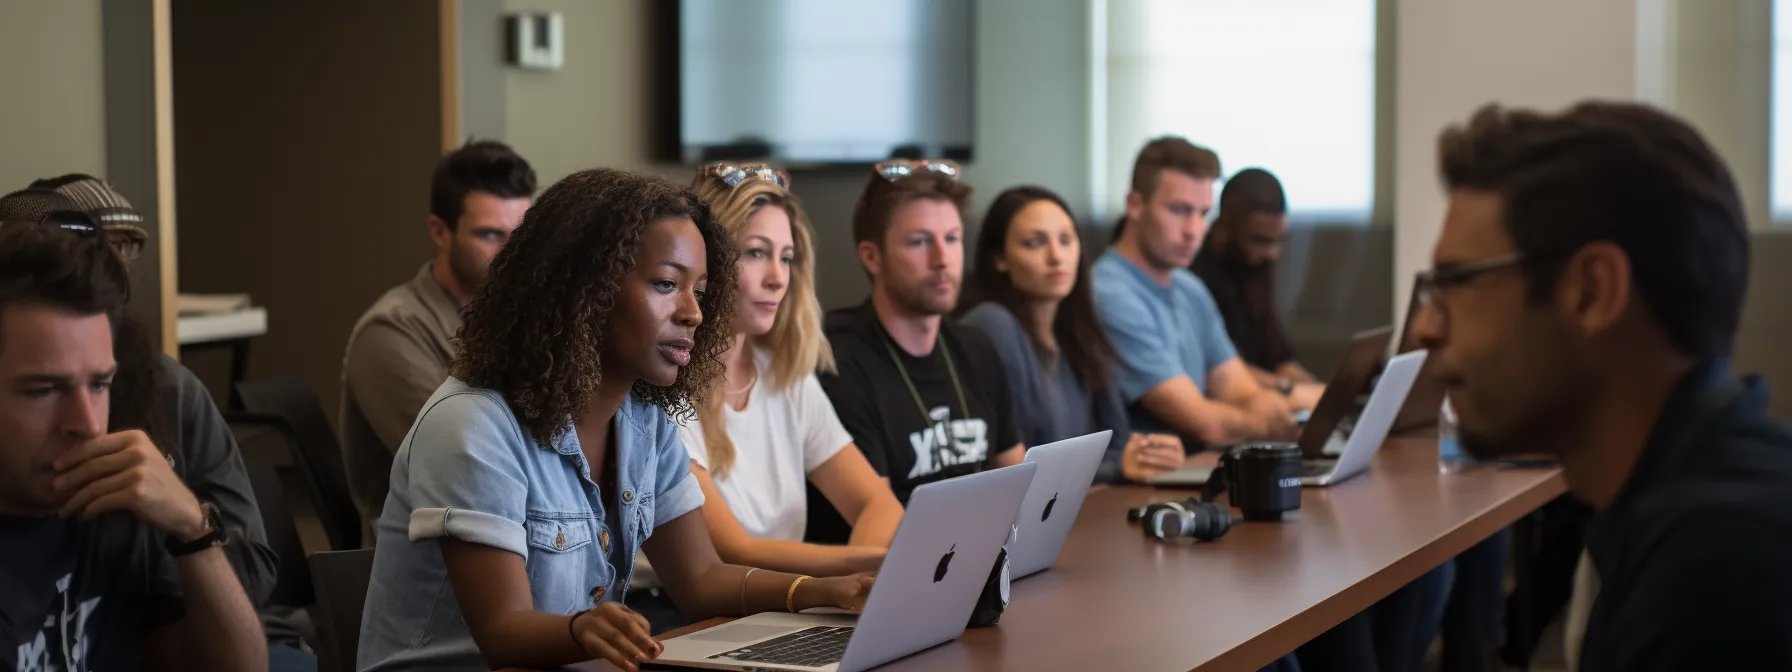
(1119, 601)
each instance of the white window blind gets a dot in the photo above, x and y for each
(1781, 162)
(1283, 85)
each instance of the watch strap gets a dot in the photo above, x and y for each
(214, 535)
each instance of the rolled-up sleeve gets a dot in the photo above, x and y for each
(679, 493)
(466, 479)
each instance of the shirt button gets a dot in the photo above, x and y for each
(628, 495)
(603, 539)
(560, 539)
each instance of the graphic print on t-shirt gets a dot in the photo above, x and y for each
(948, 443)
(61, 645)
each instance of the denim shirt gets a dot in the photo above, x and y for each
(469, 471)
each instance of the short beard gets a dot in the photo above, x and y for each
(917, 302)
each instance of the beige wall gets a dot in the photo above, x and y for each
(51, 49)
(593, 111)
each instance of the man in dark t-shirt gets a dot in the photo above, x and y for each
(922, 399)
(1237, 263)
(1583, 302)
(112, 560)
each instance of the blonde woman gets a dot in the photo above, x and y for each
(769, 430)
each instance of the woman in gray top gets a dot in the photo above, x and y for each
(1029, 294)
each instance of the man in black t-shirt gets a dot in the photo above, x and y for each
(1583, 303)
(112, 561)
(924, 400)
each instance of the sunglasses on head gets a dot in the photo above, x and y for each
(734, 176)
(896, 169)
(127, 243)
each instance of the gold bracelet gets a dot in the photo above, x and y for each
(790, 598)
(743, 589)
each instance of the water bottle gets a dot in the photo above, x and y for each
(1450, 458)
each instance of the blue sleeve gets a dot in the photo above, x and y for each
(466, 480)
(1145, 359)
(1216, 345)
(678, 493)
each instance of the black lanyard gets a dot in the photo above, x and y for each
(951, 371)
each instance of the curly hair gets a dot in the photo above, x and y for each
(535, 331)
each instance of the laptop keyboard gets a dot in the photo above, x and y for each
(809, 647)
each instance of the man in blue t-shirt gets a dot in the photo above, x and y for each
(1177, 369)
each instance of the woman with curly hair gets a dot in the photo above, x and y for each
(549, 459)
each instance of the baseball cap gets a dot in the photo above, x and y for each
(121, 222)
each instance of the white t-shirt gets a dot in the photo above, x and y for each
(780, 438)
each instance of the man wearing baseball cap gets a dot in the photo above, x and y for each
(205, 453)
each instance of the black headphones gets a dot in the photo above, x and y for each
(1164, 521)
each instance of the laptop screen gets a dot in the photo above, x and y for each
(1351, 378)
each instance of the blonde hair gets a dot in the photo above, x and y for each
(796, 341)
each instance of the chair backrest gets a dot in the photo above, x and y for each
(319, 456)
(341, 578)
(292, 584)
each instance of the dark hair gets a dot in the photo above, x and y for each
(1251, 191)
(1172, 153)
(1624, 173)
(1077, 327)
(48, 266)
(480, 165)
(535, 330)
(881, 198)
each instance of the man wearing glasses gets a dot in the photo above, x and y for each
(111, 558)
(1584, 300)
(399, 350)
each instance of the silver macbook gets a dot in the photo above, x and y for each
(1330, 419)
(926, 588)
(1373, 424)
(1066, 470)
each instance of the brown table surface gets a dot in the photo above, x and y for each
(1116, 600)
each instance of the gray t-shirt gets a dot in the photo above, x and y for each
(210, 463)
(1050, 402)
(398, 354)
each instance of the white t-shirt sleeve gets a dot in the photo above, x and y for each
(820, 430)
(691, 435)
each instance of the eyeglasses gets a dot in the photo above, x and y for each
(1431, 284)
(734, 176)
(896, 169)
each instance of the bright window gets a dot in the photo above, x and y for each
(1283, 85)
(1782, 111)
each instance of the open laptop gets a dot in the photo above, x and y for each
(1427, 396)
(1066, 470)
(926, 589)
(1340, 397)
(1371, 427)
